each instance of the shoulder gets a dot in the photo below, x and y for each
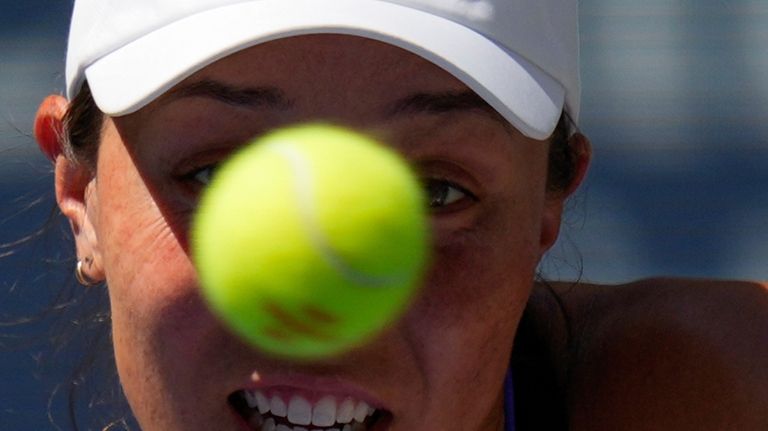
(658, 353)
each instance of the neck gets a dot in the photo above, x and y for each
(538, 362)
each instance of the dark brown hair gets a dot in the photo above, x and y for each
(561, 169)
(83, 123)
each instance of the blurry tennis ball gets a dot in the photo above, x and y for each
(311, 240)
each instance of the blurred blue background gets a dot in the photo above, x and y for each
(675, 100)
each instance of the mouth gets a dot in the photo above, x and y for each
(265, 411)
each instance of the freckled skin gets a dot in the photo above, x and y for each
(442, 365)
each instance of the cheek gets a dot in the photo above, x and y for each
(157, 314)
(143, 256)
(477, 286)
(142, 240)
(462, 327)
(492, 259)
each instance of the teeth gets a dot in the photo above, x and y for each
(256, 421)
(257, 400)
(346, 411)
(299, 411)
(250, 398)
(324, 412)
(262, 403)
(278, 408)
(361, 411)
(269, 425)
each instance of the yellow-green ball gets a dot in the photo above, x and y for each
(311, 240)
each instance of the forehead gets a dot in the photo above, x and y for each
(332, 62)
(331, 77)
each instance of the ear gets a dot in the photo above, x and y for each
(77, 200)
(49, 125)
(553, 210)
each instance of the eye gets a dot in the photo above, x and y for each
(199, 177)
(203, 175)
(442, 194)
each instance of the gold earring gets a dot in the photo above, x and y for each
(80, 275)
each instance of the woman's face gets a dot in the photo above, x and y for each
(442, 365)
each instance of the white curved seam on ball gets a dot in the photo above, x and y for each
(306, 203)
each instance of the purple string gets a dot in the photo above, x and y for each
(509, 403)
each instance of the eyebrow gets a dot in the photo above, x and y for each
(442, 103)
(273, 97)
(246, 97)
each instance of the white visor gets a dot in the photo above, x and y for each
(133, 67)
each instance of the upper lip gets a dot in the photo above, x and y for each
(312, 387)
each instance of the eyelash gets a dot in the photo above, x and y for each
(448, 194)
(452, 195)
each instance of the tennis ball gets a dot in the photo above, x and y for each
(310, 240)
